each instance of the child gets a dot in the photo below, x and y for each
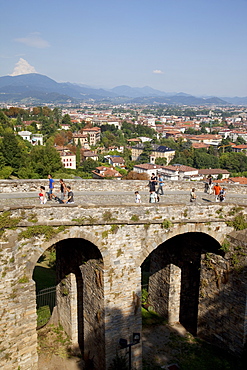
(153, 198)
(222, 195)
(138, 197)
(192, 195)
(42, 196)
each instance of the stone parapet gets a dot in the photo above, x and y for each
(29, 185)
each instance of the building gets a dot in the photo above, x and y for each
(106, 173)
(34, 139)
(238, 180)
(240, 148)
(179, 172)
(147, 168)
(214, 172)
(115, 160)
(88, 154)
(93, 134)
(68, 160)
(158, 151)
(82, 139)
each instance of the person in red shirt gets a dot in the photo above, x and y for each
(217, 190)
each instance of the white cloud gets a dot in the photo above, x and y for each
(34, 40)
(22, 68)
(158, 72)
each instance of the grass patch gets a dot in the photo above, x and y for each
(43, 315)
(151, 318)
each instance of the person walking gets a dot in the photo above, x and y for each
(63, 189)
(217, 190)
(51, 187)
(153, 182)
(210, 184)
(161, 184)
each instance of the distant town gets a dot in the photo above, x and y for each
(124, 142)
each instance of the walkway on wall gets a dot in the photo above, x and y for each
(120, 197)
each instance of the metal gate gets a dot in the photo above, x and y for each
(45, 301)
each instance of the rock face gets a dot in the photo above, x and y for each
(197, 274)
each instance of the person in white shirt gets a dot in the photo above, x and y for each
(137, 197)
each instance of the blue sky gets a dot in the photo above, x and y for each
(194, 46)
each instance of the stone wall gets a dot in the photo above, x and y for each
(223, 294)
(123, 235)
(19, 186)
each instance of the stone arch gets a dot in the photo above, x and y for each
(80, 292)
(174, 280)
(72, 232)
(165, 235)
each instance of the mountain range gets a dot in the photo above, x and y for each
(38, 89)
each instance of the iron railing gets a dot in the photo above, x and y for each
(45, 301)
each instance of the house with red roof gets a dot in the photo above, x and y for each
(147, 168)
(179, 172)
(238, 180)
(106, 173)
(240, 148)
(214, 172)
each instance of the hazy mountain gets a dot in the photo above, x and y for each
(134, 92)
(34, 88)
(179, 100)
(236, 100)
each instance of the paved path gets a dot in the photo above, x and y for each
(119, 197)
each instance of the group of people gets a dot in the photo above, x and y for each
(50, 194)
(220, 193)
(153, 192)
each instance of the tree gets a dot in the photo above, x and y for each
(2, 161)
(205, 160)
(240, 140)
(11, 150)
(233, 162)
(5, 172)
(45, 160)
(66, 119)
(161, 161)
(89, 165)
(4, 120)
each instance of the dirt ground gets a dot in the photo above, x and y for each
(55, 352)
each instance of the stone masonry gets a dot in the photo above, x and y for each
(111, 242)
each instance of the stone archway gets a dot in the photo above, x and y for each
(174, 277)
(80, 297)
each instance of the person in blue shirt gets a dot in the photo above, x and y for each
(51, 186)
(161, 184)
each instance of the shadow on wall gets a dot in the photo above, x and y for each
(212, 293)
(217, 292)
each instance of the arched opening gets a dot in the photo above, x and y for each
(80, 296)
(172, 274)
